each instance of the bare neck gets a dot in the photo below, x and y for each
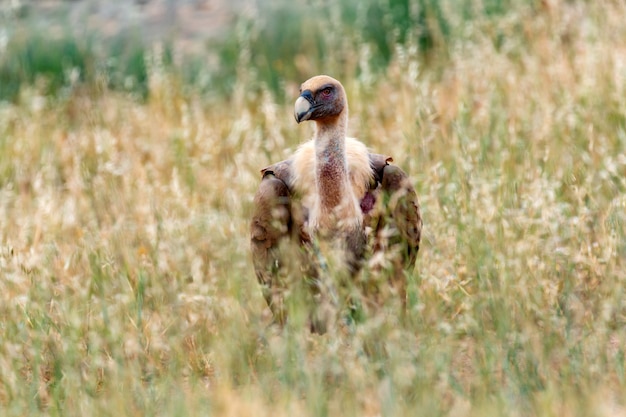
(331, 166)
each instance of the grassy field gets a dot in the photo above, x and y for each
(126, 284)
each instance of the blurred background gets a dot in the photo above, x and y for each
(207, 43)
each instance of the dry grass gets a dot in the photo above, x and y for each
(127, 287)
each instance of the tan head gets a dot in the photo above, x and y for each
(322, 98)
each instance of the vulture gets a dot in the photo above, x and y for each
(333, 200)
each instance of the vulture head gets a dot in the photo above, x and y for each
(322, 98)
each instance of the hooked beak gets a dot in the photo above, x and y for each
(304, 107)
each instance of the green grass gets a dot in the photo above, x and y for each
(126, 283)
(56, 58)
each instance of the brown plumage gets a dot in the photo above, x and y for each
(332, 193)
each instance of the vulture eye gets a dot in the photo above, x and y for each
(326, 92)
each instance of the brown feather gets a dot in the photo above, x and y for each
(333, 189)
(270, 225)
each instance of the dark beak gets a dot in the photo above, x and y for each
(304, 106)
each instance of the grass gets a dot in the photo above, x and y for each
(127, 286)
